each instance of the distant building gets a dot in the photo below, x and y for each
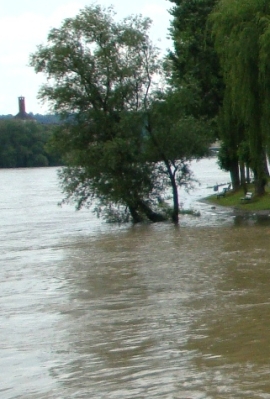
(22, 113)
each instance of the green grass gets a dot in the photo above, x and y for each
(233, 199)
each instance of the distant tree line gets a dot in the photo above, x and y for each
(26, 144)
(45, 119)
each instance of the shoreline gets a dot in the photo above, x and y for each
(235, 210)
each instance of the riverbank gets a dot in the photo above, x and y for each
(234, 200)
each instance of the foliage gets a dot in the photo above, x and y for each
(194, 60)
(102, 79)
(44, 119)
(23, 144)
(241, 31)
(99, 75)
(9, 116)
(47, 119)
(173, 139)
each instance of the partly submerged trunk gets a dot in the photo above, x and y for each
(136, 217)
(149, 213)
(175, 212)
(142, 211)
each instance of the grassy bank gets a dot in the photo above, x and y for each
(233, 199)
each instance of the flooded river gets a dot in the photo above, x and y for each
(91, 310)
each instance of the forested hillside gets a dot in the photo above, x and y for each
(45, 119)
(25, 144)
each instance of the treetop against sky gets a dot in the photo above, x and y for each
(25, 24)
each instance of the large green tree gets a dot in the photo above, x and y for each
(194, 60)
(231, 133)
(196, 67)
(102, 79)
(242, 32)
(99, 76)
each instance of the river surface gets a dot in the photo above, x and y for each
(91, 310)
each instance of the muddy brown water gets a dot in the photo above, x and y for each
(90, 310)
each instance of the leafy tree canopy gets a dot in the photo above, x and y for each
(194, 59)
(242, 31)
(100, 73)
(174, 139)
(102, 79)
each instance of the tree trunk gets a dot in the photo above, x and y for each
(149, 213)
(234, 172)
(259, 165)
(266, 170)
(259, 186)
(242, 174)
(243, 177)
(136, 218)
(248, 174)
(175, 212)
(259, 182)
(260, 178)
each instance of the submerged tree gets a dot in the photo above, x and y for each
(102, 80)
(173, 140)
(242, 33)
(100, 73)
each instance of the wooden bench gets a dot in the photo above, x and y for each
(247, 197)
(223, 192)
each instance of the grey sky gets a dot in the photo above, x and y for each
(25, 24)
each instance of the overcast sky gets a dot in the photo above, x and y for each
(25, 23)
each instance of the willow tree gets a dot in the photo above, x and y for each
(231, 134)
(242, 39)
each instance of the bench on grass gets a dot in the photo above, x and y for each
(224, 191)
(247, 197)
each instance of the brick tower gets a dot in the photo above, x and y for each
(22, 113)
